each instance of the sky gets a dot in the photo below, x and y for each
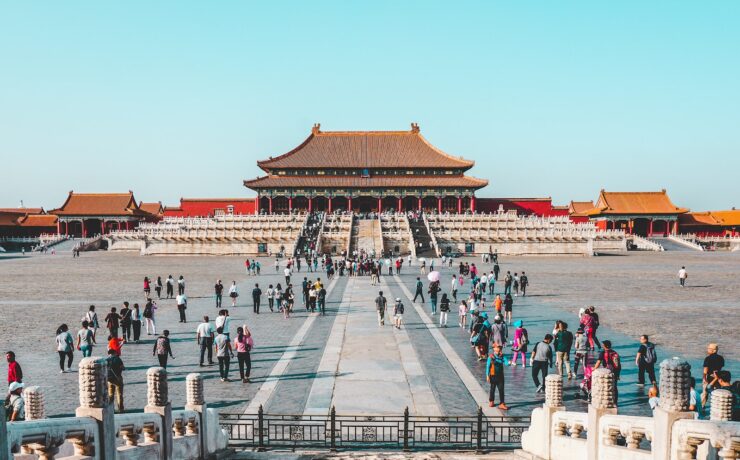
(178, 99)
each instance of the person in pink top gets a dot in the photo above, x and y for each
(243, 344)
(521, 340)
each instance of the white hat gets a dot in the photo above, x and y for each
(14, 386)
(398, 299)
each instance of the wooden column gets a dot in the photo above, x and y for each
(310, 204)
(439, 204)
(472, 203)
(329, 201)
(59, 226)
(84, 232)
(269, 205)
(349, 204)
(380, 205)
(290, 204)
(400, 204)
(459, 205)
(102, 226)
(419, 203)
(650, 227)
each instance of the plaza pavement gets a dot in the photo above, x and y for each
(307, 363)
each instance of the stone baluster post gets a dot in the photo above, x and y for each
(34, 400)
(94, 403)
(721, 409)
(553, 403)
(158, 403)
(674, 404)
(602, 403)
(196, 402)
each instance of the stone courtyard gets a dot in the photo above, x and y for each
(308, 363)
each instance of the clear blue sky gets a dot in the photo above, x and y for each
(558, 99)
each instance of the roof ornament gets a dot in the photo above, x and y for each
(316, 128)
(415, 127)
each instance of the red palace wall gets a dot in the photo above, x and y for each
(523, 206)
(207, 208)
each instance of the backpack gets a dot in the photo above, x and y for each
(524, 339)
(161, 348)
(148, 311)
(612, 362)
(492, 370)
(650, 356)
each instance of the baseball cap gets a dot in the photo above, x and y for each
(14, 386)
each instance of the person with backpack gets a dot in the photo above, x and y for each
(495, 376)
(321, 299)
(444, 309)
(65, 347)
(433, 290)
(397, 313)
(125, 314)
(521, 340)
(507, 283)
(112, 321)
(609, 359)
(582, 349)
(148, 315)
(85, 340)
(15, 404)
(563, 344)
(243, 344)
(499, 331)
(92, 319)
(540, 360)
(645, 361)
(115, 380)
(162, 348)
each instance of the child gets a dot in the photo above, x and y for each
(653, 397)
(462, 314)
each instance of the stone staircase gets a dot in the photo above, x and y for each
(367, 236)
(420, 233)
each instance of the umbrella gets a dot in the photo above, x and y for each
(433, 276)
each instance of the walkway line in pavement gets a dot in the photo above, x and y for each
(268, 386)
(322, 388)
(480, 396)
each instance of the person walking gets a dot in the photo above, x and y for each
(115, 380)
(462, 314)
(563, 344)
(540, 360)
(148, 314)
(507, 283)
(219, 291)
(321, 299)
(223, 320)
(519, 345)
(287, 273)
(204, 336)
(498, 304)
(158, 287)
(444, 310)
(163, 349)
(182, 304)
(170, 287)
(65, 347)
(495, 376)
(645, 361)
(181, 285)
(147, 287)
(243, 344)
(523, 283)
(256, 297)
(380, 304)
(92, 319)
(582, 350)
(515, 283)
(499, 331)
(397, 313)
(15, 405)
(419, 290)
(233, 293)
(453, 288)
(433, 290)
(682, 275)
(85, 340)
(224, 353)
(508, 307)
(126, 315)
(610, 359)
(111, 322)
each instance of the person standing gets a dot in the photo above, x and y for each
(462, 314)
(507, 283)
(609, 358)
(495, 376)
(112, 322)
(147, 287)
(397, 313)
(182, 304)
(419, 290)
(85, 340)
(713, 363)
(286, 272)
(516, 284)
(233, 293)
(270, 297)
(582, 349)
(16, 405)
(115, 380)
(170, 287)
(224, 354)
(444, 310)
(162, 348)
(158, 287)
(181, 285)
(243, 344)
(682, 275)
(521, 340)
(65, 347)
(204, 335)
(256, 297)
(540, 360)
(219, 291)
(563, 344)
(223, 320)
(149, 310)
(126, 321)
(453, 288)
(523, 283)
(136, 319)
(496, 270)
(321, 299)
(15, 373)
(508, 307)
(645, 361)
(380, 304)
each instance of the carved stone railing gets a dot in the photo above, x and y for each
(634, 430)
(705, 439)
(130, 428)
(45, 437)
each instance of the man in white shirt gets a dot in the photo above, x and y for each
(286, 272)
(223, 321)
(204, 335)
(182, 304)
(682, 275)
(483, 283)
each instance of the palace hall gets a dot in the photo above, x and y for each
(365, 171)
